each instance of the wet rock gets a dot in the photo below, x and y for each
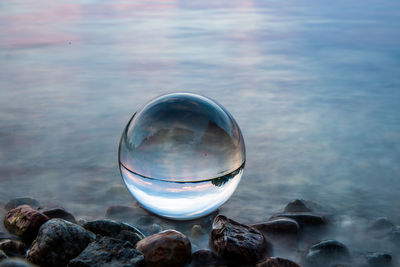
(207, 258)
(13, 248)
(238, 242)
(304, 220)
(24, 221)
(107, 251)
(379, 259)
(58, 242)
(277, 262)
(15, 202)
(327, 252)
(167, 248)
(279, 226)
(297, 205)
(59, 213)
(15, 262)
(3, 255)
(115, 229)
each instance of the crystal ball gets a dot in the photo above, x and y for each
(181, 156)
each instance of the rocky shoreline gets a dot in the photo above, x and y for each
(129, 236)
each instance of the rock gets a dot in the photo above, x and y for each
(279, 226)
(196, 231)
(13, 248)
(15, 262)
(3, 255)
(59, 213)
(207, 258)
(15, 202)
(382, 224)
(277, 262)
(327, 252)
(304, 220)
(115, 229)
(24, 221)
(167, 248)
(58, 242)
(379, 259)
(237, 242)
(297, 205)
(108, 251)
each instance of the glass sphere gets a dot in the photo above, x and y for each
(181, 155)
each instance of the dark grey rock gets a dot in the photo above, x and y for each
(115, 229)
(382, 223)
(13, 248)
(15, 202)
(167, 248)
(15, 262)
(303, 219)
(379, 259)
(59, 213)
(238, 242)
(328, 252)
(207, 258)
(24, 221)
(297, 205)
(279, 226)
(58, 242)
(107, 251)
(277, 262)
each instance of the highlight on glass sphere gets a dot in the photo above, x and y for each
(181, 156)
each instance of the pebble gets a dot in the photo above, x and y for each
(59, 213)
(15, 202)
(58, 242)
(297, 205)
(24, 221)
(115, 229)
(207, 258)
(327, 252)
(238, 242)
(13, 248)
(279, 226)
(167, 248)
(304, 220)
(277, 262)
(107, 251)
(15, 262)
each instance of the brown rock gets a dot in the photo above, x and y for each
(238, 242)
(167, 248)
(24, 221)
(277, 262)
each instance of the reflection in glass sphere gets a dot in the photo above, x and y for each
(181, 155)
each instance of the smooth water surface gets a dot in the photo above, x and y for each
(314, 86)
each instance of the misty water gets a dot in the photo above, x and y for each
(314, 87)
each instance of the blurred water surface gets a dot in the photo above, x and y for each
(314, 86)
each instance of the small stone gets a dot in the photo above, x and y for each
(297, 205)
(382, 224)
(24, 221)
(304, 220)
(58, 242)
(59, 213)
(15, 202)
(13, 248)
(15, 262)
(327, 252)
(3, 255)
(167, 248)
(115, 229)
(107, 251)
(277, 262)
(196, 231)
(379, 259)
(237, 242)
(207, 258)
